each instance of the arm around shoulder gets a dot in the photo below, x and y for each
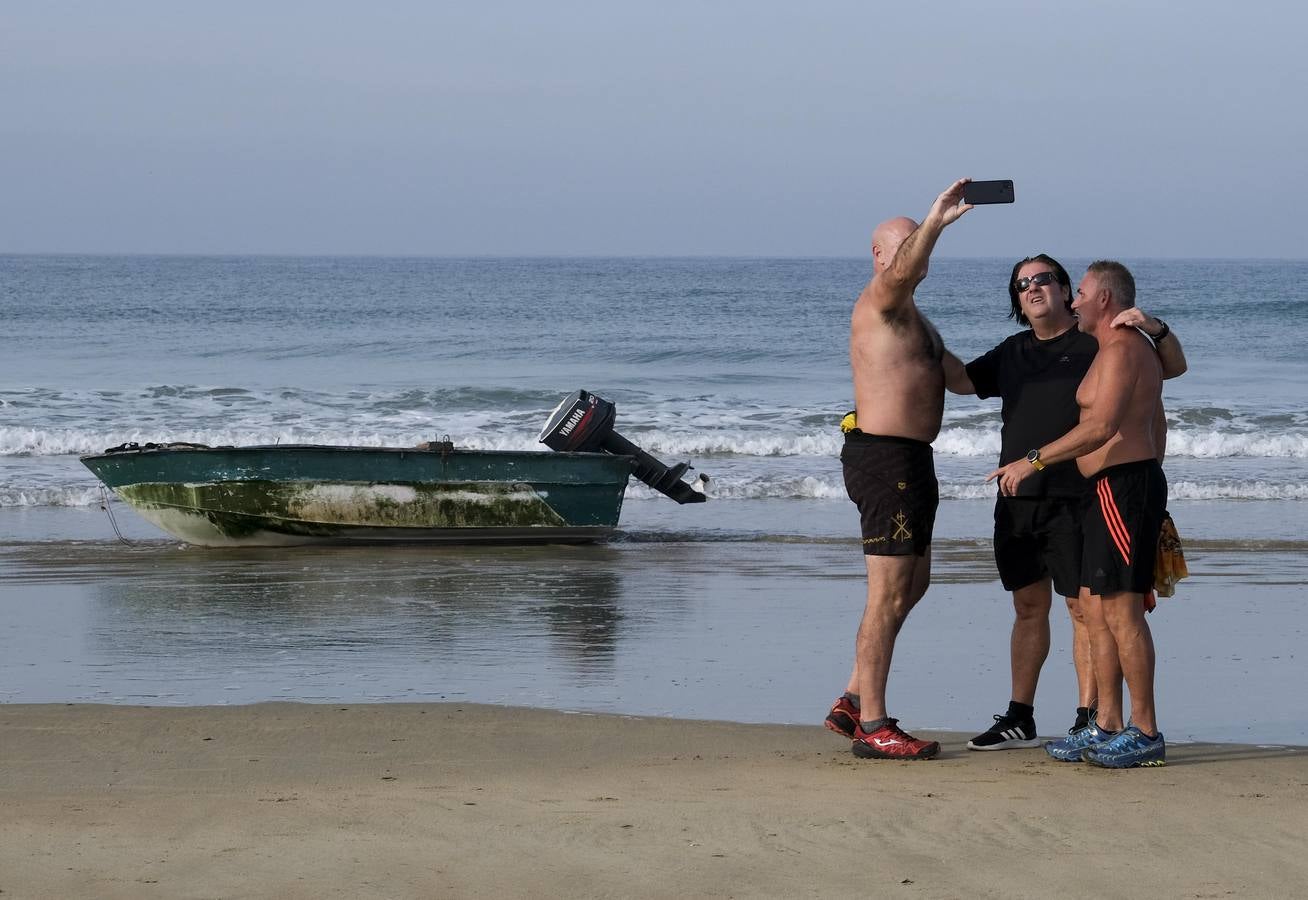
(1170, 353)
(1168, 346)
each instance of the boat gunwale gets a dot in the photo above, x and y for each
(349, 448)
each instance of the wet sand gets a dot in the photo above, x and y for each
(442, 800)
(757, 629)
(157, 788)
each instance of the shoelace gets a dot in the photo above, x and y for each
(909, 740)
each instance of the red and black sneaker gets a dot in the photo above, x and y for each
(843, 718)
(890, 742)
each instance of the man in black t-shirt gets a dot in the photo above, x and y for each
(1038, 533)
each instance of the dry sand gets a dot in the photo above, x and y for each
(401, 800)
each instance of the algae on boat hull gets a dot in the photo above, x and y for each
(239, 509)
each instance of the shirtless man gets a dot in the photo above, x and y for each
(899, 397)
(1117, 445)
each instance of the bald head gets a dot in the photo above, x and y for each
(886, 240)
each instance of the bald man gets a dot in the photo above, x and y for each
(899, 396)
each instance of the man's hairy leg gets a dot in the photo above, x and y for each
(1087, 693)
(1029, 644)
(894, 585)
(1108, 669)
(1125, 616)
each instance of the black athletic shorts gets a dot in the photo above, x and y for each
(893, 482)
(1121, 525)
(1038, 538)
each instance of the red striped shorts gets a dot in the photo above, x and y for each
(1122, 522)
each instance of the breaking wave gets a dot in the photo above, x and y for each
(979, 442)
(732, 489)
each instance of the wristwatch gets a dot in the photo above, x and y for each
(1166, 330)
(1034, 459)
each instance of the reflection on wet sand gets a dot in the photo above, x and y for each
(402, 615)
(747, 630)
(189, 603)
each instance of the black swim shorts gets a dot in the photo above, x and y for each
(893, 482)
(1121, 525)
(1038, 538)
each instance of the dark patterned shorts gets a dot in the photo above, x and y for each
(893, 482)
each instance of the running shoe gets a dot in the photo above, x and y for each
(843, 718)
(1008, 733)
(891, 742)
(1128, 749)
(1069, 748)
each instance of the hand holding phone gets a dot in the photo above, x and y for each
(979, 192)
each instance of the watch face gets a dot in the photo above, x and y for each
(1033, 456)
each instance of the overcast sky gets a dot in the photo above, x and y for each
(1131, 129)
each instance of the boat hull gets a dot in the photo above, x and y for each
(311, 494)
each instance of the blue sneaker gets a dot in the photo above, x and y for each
(1069, 749)
(1128, 749)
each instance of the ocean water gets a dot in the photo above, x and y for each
(738, 366)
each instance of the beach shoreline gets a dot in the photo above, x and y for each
(734, 629)
(462, 800)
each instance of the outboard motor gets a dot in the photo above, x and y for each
(583, 423)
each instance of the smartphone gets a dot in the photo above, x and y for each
(976, 192)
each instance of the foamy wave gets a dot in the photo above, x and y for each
(1215, 444)
(729, 489)
(804, 488)
(1257, 490)
(810, 488)
(72, 496)
(61, 442)
(974, 442)
(965, 442)
(1196, 444)
(710, 443)
(968, 442)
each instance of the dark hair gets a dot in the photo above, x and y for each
(1060, 274)
(1117, 278)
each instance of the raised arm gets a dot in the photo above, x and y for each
(1168, 346)
(893, 287)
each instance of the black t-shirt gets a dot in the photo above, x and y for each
(1037, 381)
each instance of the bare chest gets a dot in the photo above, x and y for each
(1089, 387)
(905, 335)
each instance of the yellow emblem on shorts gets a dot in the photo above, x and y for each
(902, 532)
(903, 484)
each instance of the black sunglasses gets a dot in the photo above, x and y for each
(1040, 279)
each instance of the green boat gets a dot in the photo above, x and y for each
(292, 494)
